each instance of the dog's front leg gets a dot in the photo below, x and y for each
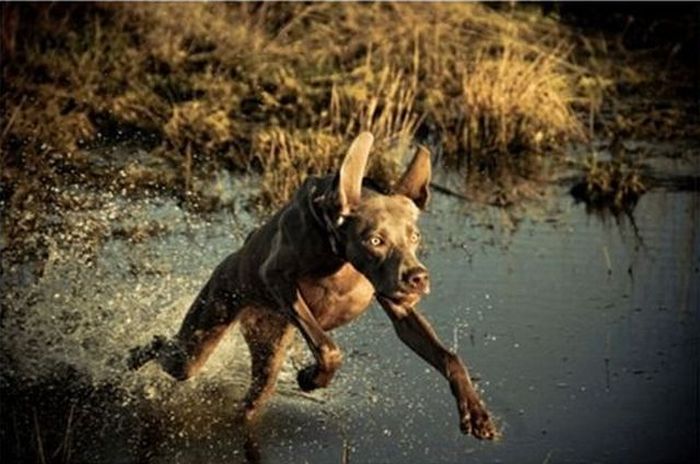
(276, 273)
(328, 355)
(415, 331)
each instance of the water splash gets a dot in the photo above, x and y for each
(116, 273)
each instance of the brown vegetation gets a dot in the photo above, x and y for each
(215, 81)
(611, 185)
(279, 88)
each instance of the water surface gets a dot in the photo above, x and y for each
(582, 331)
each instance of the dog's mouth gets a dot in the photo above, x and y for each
(400, 298)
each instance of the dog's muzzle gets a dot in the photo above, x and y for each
(416, 280)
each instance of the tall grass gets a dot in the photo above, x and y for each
(280, 88)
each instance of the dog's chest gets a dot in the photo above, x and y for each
(339, 298)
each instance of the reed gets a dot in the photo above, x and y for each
(274, 88)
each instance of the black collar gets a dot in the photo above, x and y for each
(324, 221)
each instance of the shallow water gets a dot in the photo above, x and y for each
(583, 334)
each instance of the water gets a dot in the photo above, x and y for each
(583, 333)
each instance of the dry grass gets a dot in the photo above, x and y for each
(279, 88)
(611, 185)
(512, 101)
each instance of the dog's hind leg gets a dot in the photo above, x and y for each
(268, 336)
(185, 354)
(211, 314)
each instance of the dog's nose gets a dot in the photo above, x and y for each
(417, 279)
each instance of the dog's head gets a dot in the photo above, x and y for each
(380, 231)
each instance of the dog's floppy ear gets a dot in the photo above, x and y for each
(415, 182)
(352, 171)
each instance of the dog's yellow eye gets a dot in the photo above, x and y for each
(375, 241)
(415, 237)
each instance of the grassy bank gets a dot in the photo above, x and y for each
(239, 85)
(280, 89)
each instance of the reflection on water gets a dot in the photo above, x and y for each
(584, 337)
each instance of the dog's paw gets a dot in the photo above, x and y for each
(137, 357)
(142, 354)
(132, 362)
(306, 378)
(477, 422)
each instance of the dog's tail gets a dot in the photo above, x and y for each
(142, 354)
